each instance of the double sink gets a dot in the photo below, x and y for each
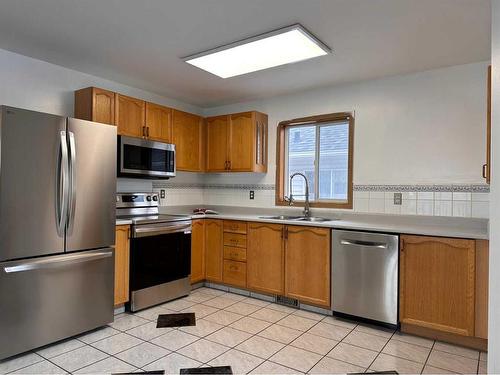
(314, 219)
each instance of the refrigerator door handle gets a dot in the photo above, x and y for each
(62, 187)
(72, 185)
(63, 260)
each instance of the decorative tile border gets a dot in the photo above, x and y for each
(484, 188)
(465, 188)
(173, 185)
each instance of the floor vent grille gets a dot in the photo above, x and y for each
(287, 301)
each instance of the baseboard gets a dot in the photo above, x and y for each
(467, 341)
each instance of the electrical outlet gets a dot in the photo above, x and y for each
(398, 198)
(162, 193)
(252, 194)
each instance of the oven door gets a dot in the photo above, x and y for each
(143, 158)
(159, 254)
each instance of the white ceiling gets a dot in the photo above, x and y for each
(141, 43)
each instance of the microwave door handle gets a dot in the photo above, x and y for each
(62, 187)
(72, 185)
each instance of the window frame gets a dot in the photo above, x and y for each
(281, 159)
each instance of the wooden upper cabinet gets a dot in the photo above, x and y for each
(217, 144)
(213, 249)
(122, 259)
(241, 143)
(307, 264)
(94, 104)
(158, 123)
(188, 137)
(130, 116)
(265, 258)
(237, 142)
(198, 251)
(437, 277)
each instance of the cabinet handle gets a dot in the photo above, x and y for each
(286, 233)
(229, 165)
(147, 131)
(144, 132)
(485, 168)
(402, 245)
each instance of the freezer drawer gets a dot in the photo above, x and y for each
(46, 299)
(365, 275)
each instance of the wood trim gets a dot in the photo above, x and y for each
(482, 275)
(280, 158)
(487, 176)
(470, 342)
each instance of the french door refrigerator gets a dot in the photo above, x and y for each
(57, 227)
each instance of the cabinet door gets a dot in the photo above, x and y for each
(122, 256)
(198, 251)
(437, 283)
(242, 139)
(217, 143)
(130, 116)
(307, 264)
(265, 258)
(187, 135)
(159, 123)
(213, 250)
(94, 104)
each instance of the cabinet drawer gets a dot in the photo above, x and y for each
(235, 253)
(235, 226)
(235, 239)
(235, 273)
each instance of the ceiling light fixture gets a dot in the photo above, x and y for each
(283, 46)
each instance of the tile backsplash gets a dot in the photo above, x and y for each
(431, 200)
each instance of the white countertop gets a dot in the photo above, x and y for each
(404, 224)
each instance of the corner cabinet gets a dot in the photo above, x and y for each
(237, 142)
(437, 283)
(122, 260)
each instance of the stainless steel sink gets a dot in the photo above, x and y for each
(315, 219)
(281, 217)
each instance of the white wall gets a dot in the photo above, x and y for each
(421, 128)
(494, 303)
(34, 84)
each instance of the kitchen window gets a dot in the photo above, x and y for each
(320, 147)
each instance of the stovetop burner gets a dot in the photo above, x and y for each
(142, 208)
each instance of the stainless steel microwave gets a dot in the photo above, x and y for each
(141, 158)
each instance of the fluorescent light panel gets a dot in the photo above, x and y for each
(279, 47)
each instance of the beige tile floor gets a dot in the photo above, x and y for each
(252, 336)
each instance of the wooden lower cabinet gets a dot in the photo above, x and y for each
(437, 283)
(235, 273)
(122, 259)
(265, 258)
(198, 251)
(307, 264)
(213, 249)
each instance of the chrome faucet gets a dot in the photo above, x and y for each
(289, 199)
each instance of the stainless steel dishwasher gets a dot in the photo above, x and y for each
(365, 275)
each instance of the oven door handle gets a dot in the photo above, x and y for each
(150, 230)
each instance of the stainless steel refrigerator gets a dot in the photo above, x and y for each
(57, 227)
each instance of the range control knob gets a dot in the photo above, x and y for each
(155, 198)
(148, 198)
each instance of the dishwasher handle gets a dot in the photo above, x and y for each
(378, 245)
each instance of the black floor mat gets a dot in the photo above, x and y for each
(156, 372)
(176, 320)
(207, 370)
